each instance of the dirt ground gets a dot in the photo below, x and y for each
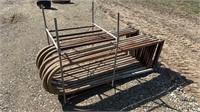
(181, 32)
(173, 87)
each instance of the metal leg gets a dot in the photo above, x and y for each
(159, 49)
(59, 54)
(116, 48)
(45, 24)
(92, 15)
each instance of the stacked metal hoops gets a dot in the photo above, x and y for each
(78, 61)
(87, 62)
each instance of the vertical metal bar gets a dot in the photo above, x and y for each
(60, 61)
(116, 50)
(159, 49)
(45, 24)
(92, 15)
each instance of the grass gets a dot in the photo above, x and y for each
(186, 6)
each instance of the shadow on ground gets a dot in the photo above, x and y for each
(131, 98)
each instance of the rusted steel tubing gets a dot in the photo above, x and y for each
(93, 81)
(45, 64)
(53, 70)
(54, 51)
(101, 69)
(71, 60)
(136, 65)
(98, 71)
(95, 64)
(79, 72)
(40, 53)
(98, 58)
(77, 43)
(48, 47)
(46, 75)
(91, 63)
(104, 80)
(143, 55)
(80, 33)
(65, 64)
(93, 31)
(109, 69)
(65, 52)
(160, 46)
(80, 36)
(125, 48)
(97, 83)
(102, 34)
(91, 53)
(79, 83)
(152, 52)
(92, 48)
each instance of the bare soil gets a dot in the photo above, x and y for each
(173, 87)
(180, 31)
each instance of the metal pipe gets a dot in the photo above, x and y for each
(45, 24)
(49, 35)
(60, 61)
(73, 28)
(116, 50)
(105, 31)
(92, 12)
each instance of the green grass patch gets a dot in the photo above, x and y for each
(187, 6)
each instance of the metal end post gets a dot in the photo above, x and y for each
(116, 50)
(45, 24)
(92, 14)
(59, 54)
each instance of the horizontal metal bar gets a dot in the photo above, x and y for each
(137, 72)
(73, 28)
(80, 33)
(105, 31)
(51, 38)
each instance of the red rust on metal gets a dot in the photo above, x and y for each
(88, 59)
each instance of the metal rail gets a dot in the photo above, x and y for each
(116, 50)
(51, 37)
(60, 61)
(45, 24)
(105, 30)
(74, 28)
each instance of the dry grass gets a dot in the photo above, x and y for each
(186, 6)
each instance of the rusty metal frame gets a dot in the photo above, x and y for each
(116, 39)
(56, 43)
